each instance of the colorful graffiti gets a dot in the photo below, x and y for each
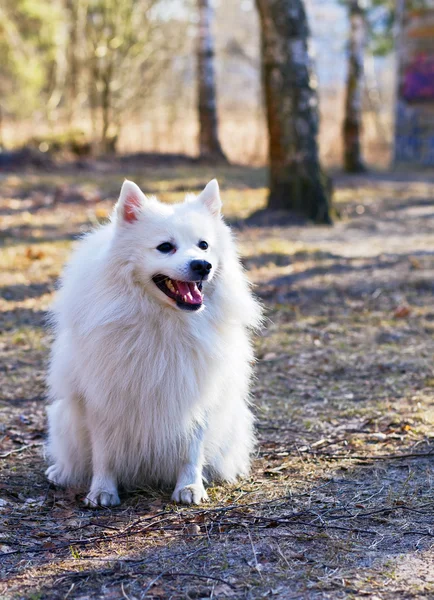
(414, 123)
(418, 84)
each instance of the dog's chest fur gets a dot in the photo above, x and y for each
(159, 379)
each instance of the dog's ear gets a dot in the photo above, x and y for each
(131, 200)
(210, 197)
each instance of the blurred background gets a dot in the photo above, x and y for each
(103, 76)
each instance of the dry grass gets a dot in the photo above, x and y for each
(340, 500)
(242, 132)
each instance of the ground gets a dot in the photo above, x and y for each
(340, 502)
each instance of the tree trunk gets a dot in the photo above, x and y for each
(71, 87)
(93, 101)
(209, 145)
(297, 182)
(105, 110)
(353, 161)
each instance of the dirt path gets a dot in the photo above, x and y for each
(340, 503)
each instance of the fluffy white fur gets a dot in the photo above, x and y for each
(143, 392)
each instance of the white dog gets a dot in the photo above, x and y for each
(150, 368)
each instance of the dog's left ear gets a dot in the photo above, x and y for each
(131, 200)
(210, 197)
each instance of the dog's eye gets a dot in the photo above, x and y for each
(203, 245)
(165, 247)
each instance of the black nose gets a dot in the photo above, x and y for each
(200, 267)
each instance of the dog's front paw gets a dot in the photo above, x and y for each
(97, 498)
(190, 494)
(56, 475)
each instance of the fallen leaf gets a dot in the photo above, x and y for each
(402, 311)
(415, 263)
(101, 212)
(192, 529)
(33, 254)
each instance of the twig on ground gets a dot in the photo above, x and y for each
(153, 582)
(368, 457)
(124, 594)
(257, 566)
(168, 573)
(21, 449)
(70, 590)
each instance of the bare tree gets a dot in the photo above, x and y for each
(297, 182)
(209, 145)
(124, 59)
(72, 8)
(352, 126)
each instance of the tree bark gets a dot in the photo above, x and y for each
(209, 145)
(297, 182)
(71, 87)
(353, 162)
(107, 108)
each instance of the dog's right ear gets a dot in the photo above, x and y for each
(130, 202)
(210, 197)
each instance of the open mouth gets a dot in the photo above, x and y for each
(187, 294)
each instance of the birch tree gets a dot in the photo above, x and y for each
(123, 44)
(209, 144)
(297, 182)
(352, 126)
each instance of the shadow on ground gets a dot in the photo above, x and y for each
(340, 500)
(317, 538)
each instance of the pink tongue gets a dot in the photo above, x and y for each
(189, 291)
(197, 296)
(182, 286)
